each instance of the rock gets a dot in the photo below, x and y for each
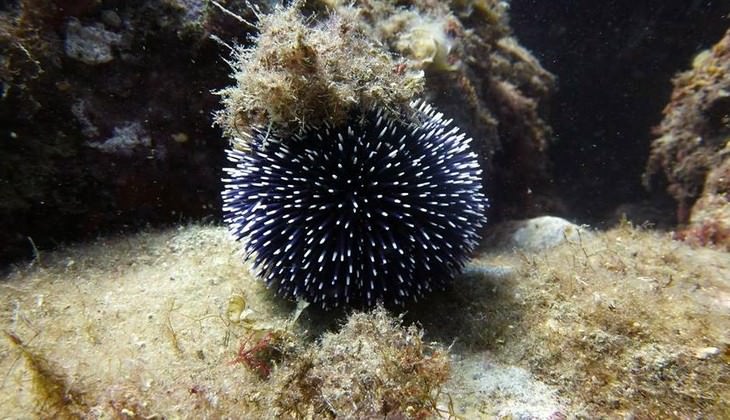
(512, 391)
(95, 98)
(691, 155)
(535, 234)
(90, 44)
(706, 352)
(124, 139)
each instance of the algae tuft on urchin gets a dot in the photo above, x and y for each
(303, 71)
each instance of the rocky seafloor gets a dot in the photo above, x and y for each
(170, 324)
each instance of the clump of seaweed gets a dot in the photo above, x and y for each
(373, 367)
(706, 233)
(304, 71)
(315, 61)
(627, 324)
(54, 395)
(260, 354)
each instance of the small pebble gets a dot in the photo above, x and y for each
(707, 352)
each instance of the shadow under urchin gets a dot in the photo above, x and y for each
(374, 210)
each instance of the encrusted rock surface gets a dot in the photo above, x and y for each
(691, 156)
(105, 111)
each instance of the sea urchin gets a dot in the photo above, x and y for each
(375, 210)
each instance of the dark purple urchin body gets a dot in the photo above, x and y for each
(374, 210)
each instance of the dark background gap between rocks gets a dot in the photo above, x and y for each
(614, 61)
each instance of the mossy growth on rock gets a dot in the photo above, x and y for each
(690, 157)
(622, 323)
(630, 324)
(373, 367)
(172, 324)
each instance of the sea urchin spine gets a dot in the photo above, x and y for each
(375, 210)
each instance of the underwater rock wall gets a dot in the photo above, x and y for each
(105, 117)
(106, 106)
(691, 156)
(477, 73)
(105, 112)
